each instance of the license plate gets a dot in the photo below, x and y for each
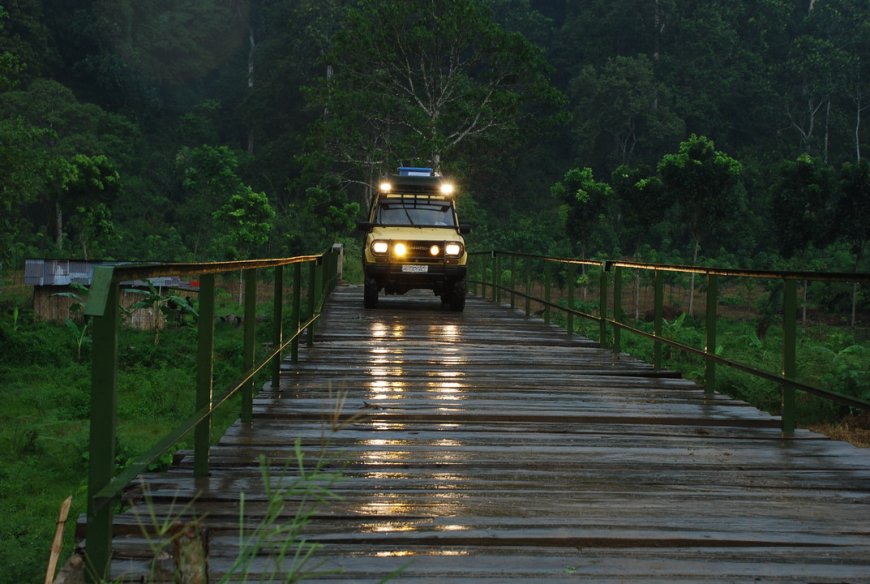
(415, 269)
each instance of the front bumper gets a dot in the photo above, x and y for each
(414, 273)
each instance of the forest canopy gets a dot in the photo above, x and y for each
(668, 130)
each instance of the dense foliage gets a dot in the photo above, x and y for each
(224, 128)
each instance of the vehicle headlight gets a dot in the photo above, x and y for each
(453, 249)
(380, 247)
(400, 250)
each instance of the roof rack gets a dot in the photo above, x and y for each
(416, 171)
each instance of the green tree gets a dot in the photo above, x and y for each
(413, 81)
(246, 221)
(802, 204)
(643, 204)
(209, 176)
(622, 113)
(94, 230)
(853, 209)
(853, 215)
(587, 208)
(84, 184)
(705, 186)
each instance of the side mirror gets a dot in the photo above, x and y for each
(465, 228)
(364, 226)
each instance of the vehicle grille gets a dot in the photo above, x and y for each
(418, 251)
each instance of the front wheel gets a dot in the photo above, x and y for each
(370, 293)
(457, 296)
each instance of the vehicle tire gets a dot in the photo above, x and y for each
(457, 296)
(370, 293)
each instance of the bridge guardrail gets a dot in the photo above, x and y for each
(104, 489)
(487, 278)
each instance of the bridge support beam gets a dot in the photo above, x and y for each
(101, 465)
(789, 352)
(571, 283)
(249, 350)
(602, 306)
(710, 331)
(658, 315)
(618, 315)
(278, 325)
(204, 377)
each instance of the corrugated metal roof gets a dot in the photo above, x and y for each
(65, 272)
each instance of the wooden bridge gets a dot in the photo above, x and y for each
(487, 447)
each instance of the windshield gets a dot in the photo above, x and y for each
(416, 213)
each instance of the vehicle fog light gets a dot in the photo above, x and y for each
(400, 250)
(435, 250)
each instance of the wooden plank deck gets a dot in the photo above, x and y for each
(485, 447)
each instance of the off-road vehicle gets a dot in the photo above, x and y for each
(414, 239)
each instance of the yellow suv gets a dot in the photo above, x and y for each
(414, 239)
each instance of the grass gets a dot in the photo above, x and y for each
(828, 355)
(45, 391)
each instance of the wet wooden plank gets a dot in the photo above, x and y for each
(487, 447)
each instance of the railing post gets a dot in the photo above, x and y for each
(617, 309)
(278, 325)
(480, 281)
(513, 263)
(324, 284)
(493, 265)
(497, 290)
(482, 275)
(571, 282)
(528, 266)
(101, 465)
(312, 299)
(602, 306)
(658, 313)
(250, 349)
(547, 292)
(789, 351)
(710, 348)
(204, 367)
(297, 307)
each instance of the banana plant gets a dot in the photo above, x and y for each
(80, 328)
(165, 304)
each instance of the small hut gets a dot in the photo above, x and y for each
(52, 277)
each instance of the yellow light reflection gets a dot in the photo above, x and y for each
(378, 330)
(383, 389)
(395, 554)
(447, 332)
(388, 425)
(447, 442)
(446, 390)
(391, 527)
(407, 553)
(386, 504)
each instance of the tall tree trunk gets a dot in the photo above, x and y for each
(804, 308)
(692, 280)
(827, 128)
(855, 285)
(858, 126)
(252, 49)
(637, 296)
(58, 217)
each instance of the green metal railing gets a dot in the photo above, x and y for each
(104, 487)
(488, 280)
